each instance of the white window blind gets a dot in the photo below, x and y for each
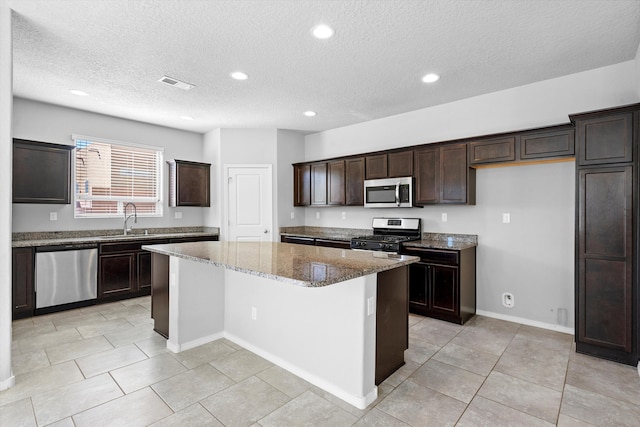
(110, 174)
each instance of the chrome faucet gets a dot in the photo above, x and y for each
(126, 218)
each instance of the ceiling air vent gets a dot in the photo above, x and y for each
(176, 83)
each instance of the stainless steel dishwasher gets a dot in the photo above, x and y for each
(66, 274)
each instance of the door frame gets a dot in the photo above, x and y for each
(225, 201)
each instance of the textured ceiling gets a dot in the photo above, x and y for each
(116, 50)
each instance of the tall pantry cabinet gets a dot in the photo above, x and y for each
(607, 234)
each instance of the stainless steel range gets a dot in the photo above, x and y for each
(388, 234)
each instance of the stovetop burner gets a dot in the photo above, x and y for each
(388, 234)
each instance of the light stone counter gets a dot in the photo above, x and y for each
(302, 265)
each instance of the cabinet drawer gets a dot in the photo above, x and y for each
(298, 240)
(340, 244)
(436, 256)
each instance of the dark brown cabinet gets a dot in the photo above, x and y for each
(443, 176)
(117, 274)
(329, 243)
(189, 183)
(400, 164)
(311, 241)
(319, 184)
(22, 268)
(375, 166)
(547, 144)
(607, 323)
(298, 240)
(354, 182)
(492, 151)
(443, 284)
(41, 172)
(301, 185)
(336, 183)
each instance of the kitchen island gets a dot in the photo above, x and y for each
(336, 318)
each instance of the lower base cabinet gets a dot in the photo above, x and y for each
(443, 284)
(23, 292)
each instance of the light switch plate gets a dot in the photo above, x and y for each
(178, 215)
(506, 218)
(53, 216)
(444, 217)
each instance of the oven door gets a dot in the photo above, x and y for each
(386, 193)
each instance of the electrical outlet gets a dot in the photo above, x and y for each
(506, 218)
(53, 216)
(254, 313)
(293, 214)
(178, 215)
(344, 215)
(507, 300)
(317, 215)
(444, 217)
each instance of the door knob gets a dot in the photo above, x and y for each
(266, 231)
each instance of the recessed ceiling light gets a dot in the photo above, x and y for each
(309, 113)
(239, 75)
(186, 117)
(79, 92)
(322, 31)
(430, 78)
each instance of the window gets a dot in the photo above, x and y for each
(110, 174)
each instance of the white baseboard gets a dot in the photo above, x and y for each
(528, 322)
(360, 402)
(8, 383)
(177, 348)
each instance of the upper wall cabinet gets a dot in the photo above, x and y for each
(41, 172)
(496, 150)
(189, 183)
(301, 185)
(354, 181)
(375, 166)
(606, 139)
(391, 165)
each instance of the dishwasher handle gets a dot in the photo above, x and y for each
(67, 247)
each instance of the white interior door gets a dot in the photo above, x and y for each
(249, 209)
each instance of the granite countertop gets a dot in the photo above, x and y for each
(456, 242)
(345, 234)
(52, 238)
(301, 265)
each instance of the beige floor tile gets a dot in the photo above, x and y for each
(31, 330)
(309, 409)
(144, 319)
(136, 301)
(414, 318)
(493, 325)
(73, 350)
(485, 340)
(533, 349)
(470, 359)
(566, 421)
(533, 399)
(245, 403)
(183, 390)
(402, 374)
(40, 342)
(420, 406)
(356, 412)
(40, 381)
(140, 408)
(103, 327)
(131, 335)
(79, 319)
(285, 381)
(600, 376)
(598, 409)
(147, 372)
(548, 372)
(110, 360)
(203, 354)
(551, 339)
(26, 362)
(18, 414)
(448, 380)
(65, 422)
(193, 416)
(379, 419)
(434, 331)
(65, 401)
(153, 346)
(419, 350)
(101, 307)
(486, 413)
(125, 311)
(241, 365)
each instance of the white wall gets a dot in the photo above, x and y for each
(533, 257)
(6, 96)
(51, 123)
(638, 70)
(211, 154)
(290, 150)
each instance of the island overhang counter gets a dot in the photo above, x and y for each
(336, 318)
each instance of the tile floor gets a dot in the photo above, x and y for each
(104, 366)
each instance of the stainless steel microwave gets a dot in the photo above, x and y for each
(388, 193)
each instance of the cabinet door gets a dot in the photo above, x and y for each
(117, 274)
(538, 145)
(418, 282)
(302, 185)
(335, 184)
(493, 150)
(144, 271)
(298, 240)
(22, 282)
(443, 290)
(354, 177)
(427, 171)
(605, 261)
(319, 184)
(376, 166)
(453, 173)
(607, 139)
(340, 244)
(400, 164)
(192, 184)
